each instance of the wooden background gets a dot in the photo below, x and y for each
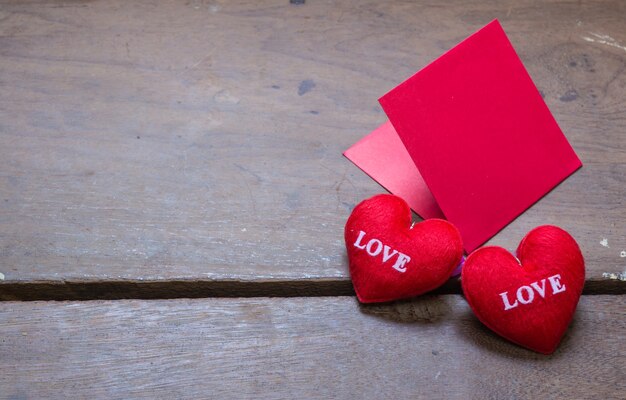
(192, 149)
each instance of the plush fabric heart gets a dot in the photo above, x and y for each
(392, 259)
(529, 301)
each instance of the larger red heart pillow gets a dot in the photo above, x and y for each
(390, 258)
(529, 300)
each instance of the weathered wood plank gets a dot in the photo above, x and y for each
(144, 141)
(297, 348)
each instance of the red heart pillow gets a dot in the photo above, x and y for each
(531, 301)
(392, 259)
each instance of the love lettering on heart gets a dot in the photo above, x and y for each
(374, 247)
(526, 294)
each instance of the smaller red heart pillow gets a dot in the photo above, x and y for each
(529, 301)
(392, 259)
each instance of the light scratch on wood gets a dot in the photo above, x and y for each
(603, 39)
(617, 276)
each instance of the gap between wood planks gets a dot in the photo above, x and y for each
(174, 289)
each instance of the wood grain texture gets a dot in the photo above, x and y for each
(201, 141)
(432, 348)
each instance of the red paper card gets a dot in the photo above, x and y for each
(382, 156)
(481, 136)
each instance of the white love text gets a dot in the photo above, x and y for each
(374, 247)
(526, 294)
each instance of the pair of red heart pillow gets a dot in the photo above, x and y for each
(529, 301)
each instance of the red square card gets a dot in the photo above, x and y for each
(480, 135)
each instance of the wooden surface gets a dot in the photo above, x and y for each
(201, 141)
(192, 149)
(306, 348)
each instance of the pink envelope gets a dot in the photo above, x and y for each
(473, 140)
